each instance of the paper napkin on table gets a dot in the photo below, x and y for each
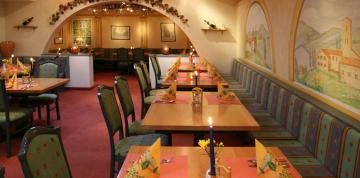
(223, 93)
(267, 166)
(148, 166)
(12, 83)
(170, 93)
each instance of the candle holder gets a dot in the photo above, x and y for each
(197, 94)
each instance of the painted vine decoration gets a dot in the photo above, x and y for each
(154, 3)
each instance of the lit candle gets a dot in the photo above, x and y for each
(59, 49)
(12, 56)
(32, 60)
(212, 153)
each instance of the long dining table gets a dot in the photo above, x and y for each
(185, 80)
(181, 116)
(193, 162)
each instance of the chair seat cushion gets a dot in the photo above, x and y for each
(135, 129)
(44, 98)
(155, 91)
(16, 113)
(148, 100)
(313, 171)
(272, 135)
(123, 146)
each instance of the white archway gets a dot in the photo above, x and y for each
(72, 12)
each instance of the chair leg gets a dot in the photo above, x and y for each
(48, 114)
(112, 165)
(39, 112)
(57, 109)
(8, 142)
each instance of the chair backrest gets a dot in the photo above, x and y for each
(110, 110)
(122, 54)
(47, 69)
(4, 99)
(138, 54)
(126, 101)
(146, 73)
(141, 80)
(155, 67)
(42, 154)
(2, 171)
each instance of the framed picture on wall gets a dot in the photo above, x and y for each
(120, 32)
(59, 37)
(82, 32)
(168, 32)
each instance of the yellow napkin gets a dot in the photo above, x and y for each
(223, 93)
(12, 83)
(170, 93)
(148, 166)
(267, 166)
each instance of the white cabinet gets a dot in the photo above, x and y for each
(81, 71)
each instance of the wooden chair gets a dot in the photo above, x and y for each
(157, 71)
(113, 121)
(138, 54)
(42, 154)
(18, 119)
(47, 69)
(151, 92)
(146, 99)
(127, 105)
(123, 59)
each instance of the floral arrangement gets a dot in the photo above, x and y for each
(205, 145)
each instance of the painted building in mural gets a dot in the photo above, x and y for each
(344, 62)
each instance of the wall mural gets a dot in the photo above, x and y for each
(327, 49)
(258, 44)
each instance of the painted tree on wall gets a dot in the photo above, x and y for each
(327, 49)
(258, 44)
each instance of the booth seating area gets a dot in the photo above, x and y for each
(318, 141)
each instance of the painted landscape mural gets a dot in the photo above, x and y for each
(327, 49)
(258, 48)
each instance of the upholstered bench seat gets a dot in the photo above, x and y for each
(272, 135)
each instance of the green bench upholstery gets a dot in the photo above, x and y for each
(316, 142)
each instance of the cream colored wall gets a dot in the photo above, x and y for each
(281, 14)
(218, 48)
(2, 22)
(154, 34)
(132, 21)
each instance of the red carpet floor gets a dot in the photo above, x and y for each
(84, 132)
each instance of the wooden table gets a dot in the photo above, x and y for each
(181, 117)
(40, 85)
(198, 162)
(188, 67)
(184, 81)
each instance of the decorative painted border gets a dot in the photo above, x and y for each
(262, 4)
(321, 97)
(158, 3)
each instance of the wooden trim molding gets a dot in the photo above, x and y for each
(263, 6)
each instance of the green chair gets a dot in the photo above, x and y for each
(113, 121)
(127, 105)
(47, 69)
(157, 71)
(13, 120)
(146, 99)
(42, 154)
(2, 172)
(123, 59)
(151, 92)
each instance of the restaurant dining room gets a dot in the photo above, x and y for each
(179, 89)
